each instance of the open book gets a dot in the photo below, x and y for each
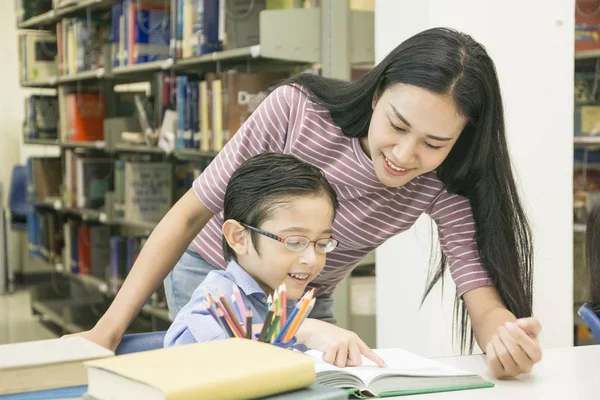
(407, 374)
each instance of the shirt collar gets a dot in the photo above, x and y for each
(243, 280)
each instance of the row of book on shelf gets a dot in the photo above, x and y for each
(82, 249)
(143, 191)
(208, 108)
(139, 31)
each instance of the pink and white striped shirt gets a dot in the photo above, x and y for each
(370, 212)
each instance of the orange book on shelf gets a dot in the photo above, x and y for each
(85, 115)
(83, 243)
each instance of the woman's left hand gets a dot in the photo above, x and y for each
(514, 349)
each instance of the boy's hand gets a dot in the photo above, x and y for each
(340, 347)
(514, 349)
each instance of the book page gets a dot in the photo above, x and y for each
(400, 362)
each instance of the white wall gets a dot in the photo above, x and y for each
(531, 43)
(11, 96)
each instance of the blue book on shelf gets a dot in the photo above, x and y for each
(195, 137)
(151, 33)
(60, 393)
(116, 13)
(181, 107)
(212, 40)
(179, 29)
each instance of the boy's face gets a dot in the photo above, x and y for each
(309, 216)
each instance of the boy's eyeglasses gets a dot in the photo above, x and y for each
(299, 243)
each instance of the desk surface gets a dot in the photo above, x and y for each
(566, 373)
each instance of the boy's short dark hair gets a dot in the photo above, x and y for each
(266, 181)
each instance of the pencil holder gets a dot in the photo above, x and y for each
(286, 345)
(290, 344)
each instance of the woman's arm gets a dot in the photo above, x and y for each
(159, 255)
(511, 345)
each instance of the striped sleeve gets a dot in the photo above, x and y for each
(456, 227)
(265, 131)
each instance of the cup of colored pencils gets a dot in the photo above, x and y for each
(278, 328)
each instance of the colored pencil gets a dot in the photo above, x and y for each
(296, 324)
(272, 327)
(248, 324)
(230, 322)
(236, 308)
(283, 298)
(224, 324)
(240, 301)
(235, 321)
(263, 331)
(289, 321)
(310, 307)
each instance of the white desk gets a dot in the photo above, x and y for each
(570, 374)
(567, 373)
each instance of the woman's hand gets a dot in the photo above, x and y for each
(514, 349)
(102, 338)
(340, 347)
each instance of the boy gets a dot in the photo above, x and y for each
(278, 213)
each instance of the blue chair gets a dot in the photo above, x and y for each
(17, 203)
(591, 319)
(136, 342)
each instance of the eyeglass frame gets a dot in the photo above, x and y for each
(284, 239)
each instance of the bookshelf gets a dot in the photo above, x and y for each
(332, 36)
(53, 16)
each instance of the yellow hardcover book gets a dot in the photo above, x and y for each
(217, 109)
(205, 141)
(224, 369)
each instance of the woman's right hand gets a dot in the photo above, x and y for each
(340, 347)
(102, 338)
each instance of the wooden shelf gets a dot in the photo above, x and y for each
(86, 215)
(100, 145)
(135, 224)
(586, 140)
(50, 310)
(140, 72)
(131, 148)
(82, 76)
(39, 84)
(193, 154)
(42, 142)
(55, 15)
(584, 55)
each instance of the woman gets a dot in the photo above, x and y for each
(592, 256)
(423, 132)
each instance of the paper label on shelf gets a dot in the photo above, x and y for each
(590, 120)
(168, 63)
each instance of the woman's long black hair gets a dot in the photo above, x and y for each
(478, 167)
(592, 255)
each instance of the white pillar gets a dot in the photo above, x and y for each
(531, 43)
